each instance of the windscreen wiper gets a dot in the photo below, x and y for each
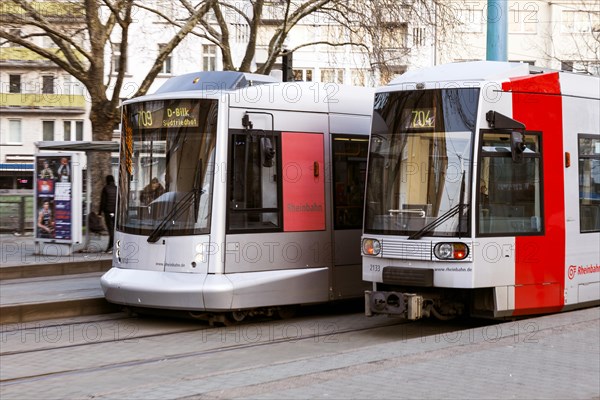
(175, 212)
(437, 222)
(445, 216)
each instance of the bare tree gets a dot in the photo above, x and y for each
(378, 28)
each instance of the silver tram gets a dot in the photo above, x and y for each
(240, 194)
(483, 192)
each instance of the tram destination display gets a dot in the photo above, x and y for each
(159, 114)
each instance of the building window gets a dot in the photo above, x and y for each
(79, 130)
(523, 20)
(242, 33)
(73, 130)
(584, 67)
(589, 183)
(168, 63)
(14, 131)
(332, 75)
(47, 84)
(304, 75)
(419, 35)
(14, 83)
(116, 59)
(530, 62)
(579, 22)
(509, 201)
(48, 131)
(393, 36)
(360, 77)
(209, 57)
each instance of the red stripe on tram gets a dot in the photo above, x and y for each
(540, 260)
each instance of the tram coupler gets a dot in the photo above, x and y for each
(407, 305)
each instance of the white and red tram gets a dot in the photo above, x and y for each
(240, 194)
(483, 192)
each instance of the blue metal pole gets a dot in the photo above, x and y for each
(497, 30)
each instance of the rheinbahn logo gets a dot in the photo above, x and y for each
(581, 270)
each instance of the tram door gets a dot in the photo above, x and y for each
(349, 162)
(303, 182)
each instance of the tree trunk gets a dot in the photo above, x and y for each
(103, 116)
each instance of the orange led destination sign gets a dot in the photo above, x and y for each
(419, 118)
(154, 115)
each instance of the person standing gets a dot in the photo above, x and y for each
(108, 205)
(152, 191)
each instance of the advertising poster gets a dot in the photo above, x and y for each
(54, 197)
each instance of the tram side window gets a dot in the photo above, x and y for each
(254, 186)
(349, 170)
(509, 201)
(589, 183)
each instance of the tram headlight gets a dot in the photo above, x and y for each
(451, 251)
(371, 247)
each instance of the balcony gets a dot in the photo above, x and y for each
(23, 57)
(42, 103)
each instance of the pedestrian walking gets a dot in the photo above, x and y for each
(108, 205)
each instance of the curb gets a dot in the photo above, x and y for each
(62, 309)
(57, 269)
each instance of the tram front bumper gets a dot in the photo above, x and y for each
(406, 305)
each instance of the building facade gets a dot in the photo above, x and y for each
(38, 101)
(560, 35)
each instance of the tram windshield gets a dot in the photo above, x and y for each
(420, 161)
(166, 167)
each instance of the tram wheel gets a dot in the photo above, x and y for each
(238, 316)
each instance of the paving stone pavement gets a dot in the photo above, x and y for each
(552, 357)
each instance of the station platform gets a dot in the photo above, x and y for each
(53, 284)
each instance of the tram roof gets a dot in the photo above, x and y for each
(465, 74)
(213, 81)
(471, 71)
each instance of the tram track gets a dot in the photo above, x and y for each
(318, 336)
(24, 329)
(18, 326)
(11, 353)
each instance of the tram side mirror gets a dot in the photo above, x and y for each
(267, 152)
(517, 146)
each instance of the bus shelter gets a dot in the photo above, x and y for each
(61, 183)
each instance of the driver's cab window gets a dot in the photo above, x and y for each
(509, 201)
(254, 181)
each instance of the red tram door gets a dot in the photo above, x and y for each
(303, 181)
